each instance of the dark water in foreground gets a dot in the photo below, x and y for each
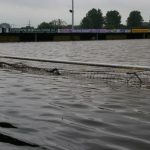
(60, 113)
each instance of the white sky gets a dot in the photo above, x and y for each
(19, 12)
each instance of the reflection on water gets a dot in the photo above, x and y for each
(61, 113)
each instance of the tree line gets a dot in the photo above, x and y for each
(54, 24)
(94, 19)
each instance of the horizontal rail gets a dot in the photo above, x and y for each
(146, 68)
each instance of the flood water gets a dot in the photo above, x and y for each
(39, 112)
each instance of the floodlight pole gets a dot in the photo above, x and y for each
(72, 14)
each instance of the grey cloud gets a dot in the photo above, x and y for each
(20, 11)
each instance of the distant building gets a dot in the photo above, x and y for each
(27, 29)
(4, 27)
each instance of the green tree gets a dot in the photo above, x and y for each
(94, 19)
(54, 24)
(85, 23)
(135, 20)
(146, 25)
(44, 25)
(112, 19)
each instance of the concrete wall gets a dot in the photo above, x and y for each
(33, 37)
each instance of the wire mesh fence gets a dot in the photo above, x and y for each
(129, 75)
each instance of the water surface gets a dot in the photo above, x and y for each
(134, 52)
(65, 113)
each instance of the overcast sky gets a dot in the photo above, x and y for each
(19, 12)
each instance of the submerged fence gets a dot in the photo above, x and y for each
(127, 74)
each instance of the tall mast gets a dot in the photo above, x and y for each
(72, 11)
(72, 14)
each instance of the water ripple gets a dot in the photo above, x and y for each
(40, 112)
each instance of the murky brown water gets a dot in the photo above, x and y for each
(61, 113)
